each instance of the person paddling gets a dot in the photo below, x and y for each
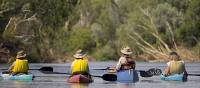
(125, 62)
(175, 65)
(80, 64)
(20, 65)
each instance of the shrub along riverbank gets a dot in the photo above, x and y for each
(52, 30)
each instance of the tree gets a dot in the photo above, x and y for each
(189, 32)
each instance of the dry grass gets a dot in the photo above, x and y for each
(188, 55)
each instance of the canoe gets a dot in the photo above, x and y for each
(127, 76)
(175, 77)
(17, 77)
(80, 79)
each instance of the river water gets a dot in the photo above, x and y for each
(59, 80)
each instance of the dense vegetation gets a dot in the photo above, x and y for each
(52, 30)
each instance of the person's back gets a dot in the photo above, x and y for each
(125, 62)
(80, 69)
(80, 64)
(175, 65)
(20, 65)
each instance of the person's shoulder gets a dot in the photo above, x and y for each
(182, 61)
(85, 58)
(168, 63)
(122, 57)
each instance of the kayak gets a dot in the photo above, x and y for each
(17, 77)
(127, 76)
(175, 77)
(80, 79)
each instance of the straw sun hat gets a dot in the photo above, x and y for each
(79, 54)
(21, 54)
(126, 50)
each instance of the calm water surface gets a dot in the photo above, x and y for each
(59, 81)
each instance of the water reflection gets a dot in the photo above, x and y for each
(21, 84)
(125, 85)
(150, 81)
(79, 85)
(59, 81)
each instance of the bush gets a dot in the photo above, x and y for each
(105, 53)
(80, 39)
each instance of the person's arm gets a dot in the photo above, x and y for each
(72, 65)
(167, 70)
(88, 69)
(185, 72)
(118, 66)
(134, 64)
(11, 67)
(184, 69)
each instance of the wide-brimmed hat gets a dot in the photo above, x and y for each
(126, 50)
(21, 54)
(79, 54)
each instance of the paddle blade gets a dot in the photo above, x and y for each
(154, 71)
(109, 77)
(6, 72)
(145, 74)
(50, 69)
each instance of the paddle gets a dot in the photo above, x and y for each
(106, 77)
(149, 73)
(43, 69)
(194, 74)
(154, 71)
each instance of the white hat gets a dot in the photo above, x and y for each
(126, 50)
(21, 54)
(79, 54)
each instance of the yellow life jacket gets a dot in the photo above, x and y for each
(176, 67)
(80, 66)
(21, 66)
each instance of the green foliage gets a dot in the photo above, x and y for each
(105, 53)
(189, 32)
(165, 16)
(180, 5)
(51, 12)
(100, 27)
(80, 39)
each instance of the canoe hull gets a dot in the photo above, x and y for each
(175, 77)
(127, 76)
(79, 79)
(17, 77)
